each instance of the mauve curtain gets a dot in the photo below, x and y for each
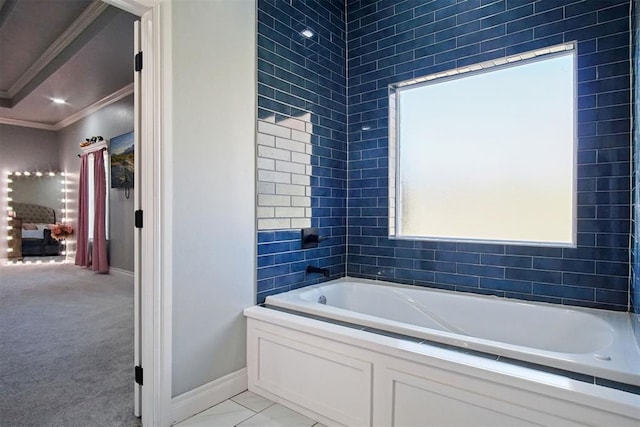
(82, 229)
(99, 260)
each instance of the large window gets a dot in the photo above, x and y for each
(486, 152)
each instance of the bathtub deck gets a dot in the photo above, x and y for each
(603, 350)
(589, 379)
(361, 378)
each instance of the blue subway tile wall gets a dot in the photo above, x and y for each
(304, 79)
(391, 41)
(635, 238)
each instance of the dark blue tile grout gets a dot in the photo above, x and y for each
(302, 85)
(355, 111)
(605, 134)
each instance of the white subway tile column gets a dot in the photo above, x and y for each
(284, 169)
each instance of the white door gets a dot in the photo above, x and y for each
(137, 198)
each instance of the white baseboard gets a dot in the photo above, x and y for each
(207, 395)
(121, 272)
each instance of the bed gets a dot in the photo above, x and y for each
(36, 222)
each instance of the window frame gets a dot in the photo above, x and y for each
(395, 193)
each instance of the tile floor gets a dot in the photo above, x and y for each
(249, 410)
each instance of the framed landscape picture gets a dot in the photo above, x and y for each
(122, 166)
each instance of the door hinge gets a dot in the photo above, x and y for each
(138, 61)
(138, 218)
(139, 375)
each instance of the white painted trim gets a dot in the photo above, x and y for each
(208, 395)
(98, 105)
(163, 67)
(107, 100)
(121, 273)
(156, 265)
(154, 296)
(277, 340)
(90, 14)
(26, 124)
(136, 7)
(137, 255)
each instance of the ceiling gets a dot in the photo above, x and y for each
(80, 51)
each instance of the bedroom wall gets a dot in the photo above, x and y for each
(24, 148)
(113, 120)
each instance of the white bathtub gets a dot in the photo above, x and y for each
(349, 376)
(592, 342)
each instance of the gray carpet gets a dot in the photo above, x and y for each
(66, 347)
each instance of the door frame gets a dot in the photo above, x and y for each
(154, 181)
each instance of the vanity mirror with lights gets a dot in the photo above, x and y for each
(36, 204)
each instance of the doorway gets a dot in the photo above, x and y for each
(140, 9)
(40, 313)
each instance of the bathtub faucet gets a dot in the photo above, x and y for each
(312, 269)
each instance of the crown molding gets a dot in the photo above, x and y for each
(26, 124)
(90, 14)
(135, 7)
(107, 100)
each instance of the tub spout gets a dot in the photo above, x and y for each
(312, 269)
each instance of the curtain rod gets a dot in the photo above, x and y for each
(95, 147)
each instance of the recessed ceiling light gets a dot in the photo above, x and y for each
(306, 33)
(58, 101)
